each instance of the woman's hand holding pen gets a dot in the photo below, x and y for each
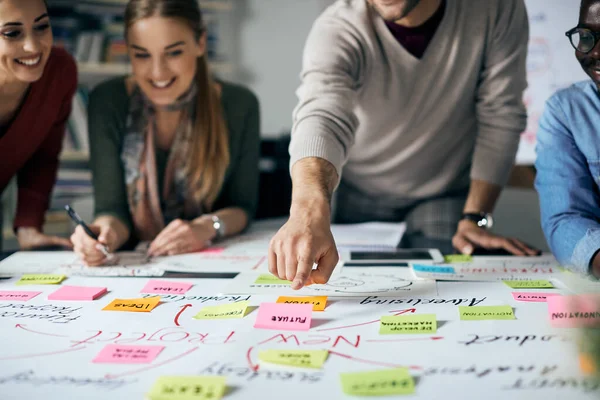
(181, 237)
(92, 251)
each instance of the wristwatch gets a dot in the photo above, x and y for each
(482, 219)
(219, 227)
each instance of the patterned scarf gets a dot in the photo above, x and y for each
(150, 211)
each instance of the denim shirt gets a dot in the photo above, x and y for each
(568, 174)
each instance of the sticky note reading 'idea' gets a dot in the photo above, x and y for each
(318, 302)
(378, 383)
(226, 311)
(166, 287)
(133, 305)
(77, 293)
(268, 279)
(289, 317)
(7, 295)
(481, 313)
(187, 388)
(408, 324)
(41, 279)
(295, 358)
(127, 354)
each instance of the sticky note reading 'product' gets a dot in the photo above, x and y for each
(187, 388)
(166, 287)
(77, 293)
(539, 284)
(7, 295)
(289, 317)
(268, 279)
(480, 313)
(134, 305)
(532, 297)
(226, 311)
(574, 311)
(457, 258)
(407, 324)
(378, 383)
(127, 354)
(38, 279)
(295, 358)
(318, 302)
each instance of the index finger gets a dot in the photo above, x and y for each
(303, 271)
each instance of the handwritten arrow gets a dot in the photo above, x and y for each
(253, 367)
(362, 360)
(41, 354)
(397, 312)
(405, 340)
(180, 312)
(136, 371)
(41, 333)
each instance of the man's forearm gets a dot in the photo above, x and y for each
(314, 181)
(482, 197)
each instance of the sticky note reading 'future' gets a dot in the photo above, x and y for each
(188, 388)
(226, 311)
(295, 358)
(378, 383)
(77, 293)
(289, 317)
(7, 295)
(166, 287)
(407, 324)
(318, 302)
(480, 313)
(127, 354)
(538, 284)
(40, 279)
(134, 305)
(574, 311)
(533, 297)
(268, 279)
(457, 258)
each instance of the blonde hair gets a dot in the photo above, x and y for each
(209, 154)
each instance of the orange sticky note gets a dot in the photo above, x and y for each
(318, 302)
(133, 305)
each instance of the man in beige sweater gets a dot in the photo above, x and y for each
(414, 108)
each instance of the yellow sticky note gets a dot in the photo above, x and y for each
(480, 313)
(318, 302)
(133, 305)
(268, 279)
(187, 388)
(539, 284)
(41, 279)
(225, 311)
(378, 383)
(407, 324)
(457, 258)
(295, 358)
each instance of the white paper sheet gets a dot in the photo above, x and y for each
(370, 235)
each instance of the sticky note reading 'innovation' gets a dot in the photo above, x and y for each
(166, 287)
(134, 305)
(127, 354)
(77, 293)
(289, 317)
(533, 297)
(457, 258)
(187, 388)
(318, 302)
(480, 313)
(295, 358)
(407, 324)
(41, 279)
(378, 383)
(226, 311)
(574, 311)
(539, 284)
(7, 295)
(268, 279)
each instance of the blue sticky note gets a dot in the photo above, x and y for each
(441, 269)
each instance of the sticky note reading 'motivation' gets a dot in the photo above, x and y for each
(41, 279)
(574, 311)
(289, 317)
(188, 388)
(77, 293)
(480, 313)
(407, 324)
(378, 383)
(166, 287)
(226, 311)
(318, 302)
(532, 297)
(268, 279)
(7, 295)
(134, 305)
(127, 354)
(538, 284)
(457, 258)
(295, 358)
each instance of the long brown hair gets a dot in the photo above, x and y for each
(209, 154)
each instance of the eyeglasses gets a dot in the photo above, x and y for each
(583, 40)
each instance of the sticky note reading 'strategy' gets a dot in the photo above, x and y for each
(188, 388)
(481, 313)
(8, 295)
(133, 305)
(408, 324)
(378, 383)
(77, 293)
(127, 354)
(534, 297)
(226, 311)
(289, 317)
(318, 302)
(166, 287)
(574, 311)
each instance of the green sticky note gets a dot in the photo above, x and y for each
(539, 284)
(295, 358)
(187, 388)
(407, 324)
(378, 383)
(457, 258)
(481, 313)
(268, 279)
(225, 311)
(41, 279)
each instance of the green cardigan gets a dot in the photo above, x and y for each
(107, 113)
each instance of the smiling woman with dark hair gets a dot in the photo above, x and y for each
(568, 155)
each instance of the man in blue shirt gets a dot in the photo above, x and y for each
(568, 156)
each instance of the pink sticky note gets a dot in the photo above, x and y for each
(166, 287)
(536, 297)
(127, 354)
(7, 295)
(574, 311)
(213, 250)
(282, 316)
(77, 293)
